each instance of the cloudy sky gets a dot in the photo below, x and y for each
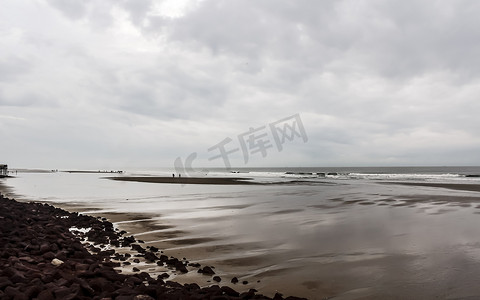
(138, 83)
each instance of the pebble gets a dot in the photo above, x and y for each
(56, 262)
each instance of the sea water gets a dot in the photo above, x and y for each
(313, 232)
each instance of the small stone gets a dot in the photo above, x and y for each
(56, 262)
(234, 280)
(217, 278)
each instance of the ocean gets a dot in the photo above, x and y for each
(348, 233)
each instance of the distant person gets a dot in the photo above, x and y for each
(173, 175)
(179, 175)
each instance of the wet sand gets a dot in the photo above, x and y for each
(452, 186)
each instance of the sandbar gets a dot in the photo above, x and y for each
(186, 180)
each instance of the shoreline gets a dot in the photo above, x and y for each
(55, 262)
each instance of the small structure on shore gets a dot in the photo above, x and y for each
(3, 170)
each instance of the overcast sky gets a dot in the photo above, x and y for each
(138, 83)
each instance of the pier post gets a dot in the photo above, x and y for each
(3, 170)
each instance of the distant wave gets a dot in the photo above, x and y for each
(445, 177)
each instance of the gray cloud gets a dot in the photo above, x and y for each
(71, 8)
(375, 82)
(12, 67)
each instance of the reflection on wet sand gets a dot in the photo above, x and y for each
(401, 254)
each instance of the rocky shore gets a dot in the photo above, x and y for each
(42, 258)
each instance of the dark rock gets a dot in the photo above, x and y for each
(15, 293)
(234, 280)
(45, 295)
(206, 270)
(173, 284)
(62, 292)
(229, 291)
(32, 291)
(248, 295)
(172, 261)
(278, 296)
(4, 282)
(138, 248)
(179, 266)
(133, 281)
(192, 286)
(99, 284)
(48, 255)
(195, 265)
(45, 247)
(144, 276)
(126, 241)
(18, 277)
(217, 278)
(149, 256)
